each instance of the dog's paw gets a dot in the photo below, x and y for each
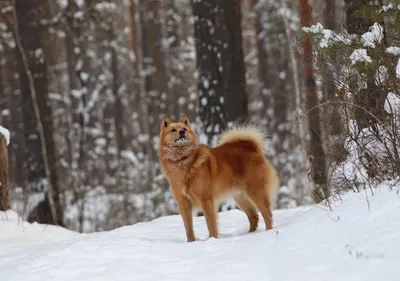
(201, 240)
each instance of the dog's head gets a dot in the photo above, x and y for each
(176, 134)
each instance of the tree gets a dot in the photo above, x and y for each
(4, 191)
(371, 99)
(209, 76)
(135, 37)
(154, 63)
(40, 146)
(229, 31)
(175, 64)
(335, 127)
(262, 57)
(319, 176)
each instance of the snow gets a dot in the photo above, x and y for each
(131, 157)
(390, 7)
(356, 240)
(375, 34)
(105, 6)
(393, 50)
(392, 104)
(317, 28)
(63, 3)
(360, 55)
(5, 112)
(328, 37)
(381, 75)
(5, 133)
(398, 69)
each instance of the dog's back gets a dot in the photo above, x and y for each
(239, 168)
(243, 149)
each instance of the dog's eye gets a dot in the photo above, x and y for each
(185, 129)
(173, 130)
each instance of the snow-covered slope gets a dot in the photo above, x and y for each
(359, 239)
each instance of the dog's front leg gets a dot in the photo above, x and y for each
(210, 212)
(185, 208)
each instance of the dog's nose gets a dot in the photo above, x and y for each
(182, 132)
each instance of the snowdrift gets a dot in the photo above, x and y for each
(359, 239)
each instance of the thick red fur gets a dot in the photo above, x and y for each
(201, 177)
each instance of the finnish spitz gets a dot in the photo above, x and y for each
(201, 177)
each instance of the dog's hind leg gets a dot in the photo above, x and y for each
(259, 195)
(245, 204)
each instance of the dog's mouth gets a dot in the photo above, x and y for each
(180, 140)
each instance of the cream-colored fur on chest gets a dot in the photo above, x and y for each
(185, 175)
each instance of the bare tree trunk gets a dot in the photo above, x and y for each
(14, 120)
(5, 203)
(262, 57)
(232, 60)
(317, 151)
(78, 63)
(155, 65)
(118, 106)
(25, 20)
(136, 50)
(253, 85)
(296, 79)
(175, 91)
(209, 79)
(334, 126)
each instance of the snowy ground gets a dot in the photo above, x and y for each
(351, 242)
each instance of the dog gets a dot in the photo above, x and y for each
(200, 177)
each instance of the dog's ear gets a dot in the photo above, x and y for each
(165, 122)
(185, 120)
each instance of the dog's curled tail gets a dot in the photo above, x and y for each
(244, 133)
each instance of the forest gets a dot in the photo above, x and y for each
(84, 85)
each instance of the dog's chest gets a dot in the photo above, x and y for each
(174, 174)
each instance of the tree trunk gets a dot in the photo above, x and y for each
(5, 203)
(135, 24)
(155, 64)
(262, 58)
(319, 176)
(78, 63)
(14, 119)
(40, 152)
(334, 126)
(209, 77)
(330, 14)
(119, 123)
(175, 91)
(232, 60)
